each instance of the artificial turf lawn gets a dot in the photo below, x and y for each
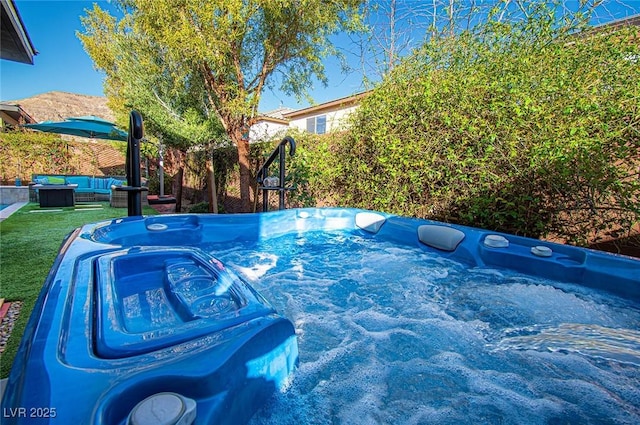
(29, 243)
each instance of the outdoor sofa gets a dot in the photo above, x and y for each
(89, 189)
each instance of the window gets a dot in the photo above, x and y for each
(311, 125)
(321, 124)
(317, 125)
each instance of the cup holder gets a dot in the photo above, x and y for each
(212, 306)
(193, 287)
(201, 290)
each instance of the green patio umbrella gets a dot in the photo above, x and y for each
(87, 126)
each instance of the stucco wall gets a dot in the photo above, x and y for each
(336, 118)
(265, 130)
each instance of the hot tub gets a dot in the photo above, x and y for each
(398, 320)
(136, 331)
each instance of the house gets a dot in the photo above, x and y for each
(13, 116)
(318, 119)
(15, 42)
(606, 28)
(325, 117)
(269, 125)
(633, 20)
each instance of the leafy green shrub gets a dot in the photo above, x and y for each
(514, 127)
(202, 207)
(22, 154)
(25, 153)
(312, 170)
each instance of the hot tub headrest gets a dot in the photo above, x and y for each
(369, 221)
(441, 237)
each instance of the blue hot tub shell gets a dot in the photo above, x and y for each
(116, 324)
(133, 307)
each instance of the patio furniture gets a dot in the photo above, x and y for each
(119, 198)
(89, 188)
(56, 195)
(87, 126)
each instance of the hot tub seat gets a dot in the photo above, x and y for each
(125, 323)
(154, 298)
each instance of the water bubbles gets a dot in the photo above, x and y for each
(395, 334)
(261, 262)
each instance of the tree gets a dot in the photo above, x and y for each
(138, 76)
(202, 59)
(527, 127)
(398, 27)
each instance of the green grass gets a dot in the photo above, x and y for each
(29, 243)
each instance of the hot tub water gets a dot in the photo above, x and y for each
(326, 316)
(396, 335)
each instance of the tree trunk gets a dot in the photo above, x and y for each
(177, 188)
(245, 173)
(211, 187)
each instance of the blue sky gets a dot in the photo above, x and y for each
(63, 65)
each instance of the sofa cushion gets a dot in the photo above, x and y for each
(83, 182)
(115, 182)
(101, 183)
(55, 179)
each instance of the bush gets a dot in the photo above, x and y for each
(202, 207)
(312, 171)
(25, 153)
(22, 154)
(513, 127)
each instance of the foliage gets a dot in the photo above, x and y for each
(312, 170)
(515, 126)
(202, 207)
(397, 27)
(204, 60)
(25, 153)
(138, 76)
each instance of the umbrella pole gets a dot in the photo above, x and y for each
(161, 168)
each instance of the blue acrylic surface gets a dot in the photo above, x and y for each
(138, 306)
(154, 298)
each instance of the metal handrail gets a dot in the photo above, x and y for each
(263, 173)
(134, 189)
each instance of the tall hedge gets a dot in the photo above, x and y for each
(25, 153)
(513, 127)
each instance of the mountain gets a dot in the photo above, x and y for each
(96, 157)
(57, 105)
